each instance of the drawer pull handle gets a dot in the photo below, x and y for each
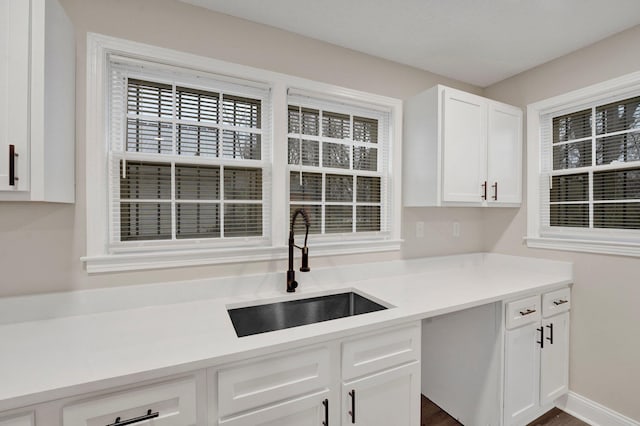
(484, 190)
(12, 165)
(150, 415)
(326, 412)
(550, 338)
(495, 188)
(560, 302)
(527, 312)
(541, 341)
(352, 413)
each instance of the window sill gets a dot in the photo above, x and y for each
(619, 248)
(175, 259)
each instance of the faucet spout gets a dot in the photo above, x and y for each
(292, 284)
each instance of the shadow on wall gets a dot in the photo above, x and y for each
(446, 230)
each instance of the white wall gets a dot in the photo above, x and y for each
(41, 244)
(605, 339)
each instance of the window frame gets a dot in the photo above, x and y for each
(590, 240)
(309, 101)
(99, 258)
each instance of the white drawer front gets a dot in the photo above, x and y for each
(304, 411)
(271, 379)
(556, 302)
(174, 402)
(523, 311)
(377, 352)
(22, 420)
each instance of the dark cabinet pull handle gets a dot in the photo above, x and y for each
(495, 191)
(550, 338)
(147, 416)
(484, 190)
(560, 302)
(541, 341)
(527, 312)
(326, 412)
(352, 413)
(12, 165)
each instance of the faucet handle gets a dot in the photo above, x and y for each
(305, 260)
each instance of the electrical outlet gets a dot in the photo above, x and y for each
(420, 229)
(456, 229)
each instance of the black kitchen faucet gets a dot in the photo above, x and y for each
(291, 275)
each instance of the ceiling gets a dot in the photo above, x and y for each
(476, 41)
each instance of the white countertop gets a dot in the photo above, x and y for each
(54, 346)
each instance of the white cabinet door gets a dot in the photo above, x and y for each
(311, 410)
(388, 398)
(464, 147)
(14, 91)
(521, 374)
(554, 362)
(504, 155)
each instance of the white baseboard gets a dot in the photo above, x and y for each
(591, 412)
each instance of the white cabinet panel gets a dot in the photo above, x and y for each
(37, 101)
(523, 311)
(377, 352)
(504, 154)
(21, 420)
(465, 144)
(556, 302)
(170, 403)
(310, 410)
(388, 398)
(554, 362)
(521, 374)
(270, 379)
(462, 363)
(14, 90)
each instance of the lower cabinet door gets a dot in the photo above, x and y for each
(310, 410)
(521, 374)
(554, 362)
(391, 397)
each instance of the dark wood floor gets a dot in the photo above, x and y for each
(432, 415)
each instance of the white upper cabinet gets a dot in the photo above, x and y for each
(461, 149)
(37, 102)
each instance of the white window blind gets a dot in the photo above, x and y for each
(189, 159)
(590, 170)
(338, 159)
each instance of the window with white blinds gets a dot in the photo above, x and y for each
(188, 157)
(338, 159)
(590, 170)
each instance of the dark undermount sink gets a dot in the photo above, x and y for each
(293, 313)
